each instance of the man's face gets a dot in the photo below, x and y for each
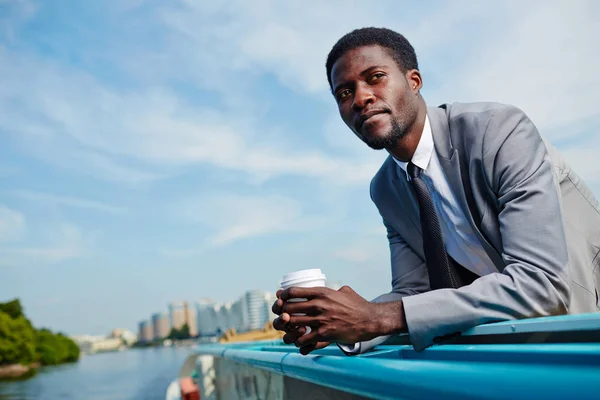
(377, 101)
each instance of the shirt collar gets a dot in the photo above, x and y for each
(423, 151)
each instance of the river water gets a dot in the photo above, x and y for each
(141, 374)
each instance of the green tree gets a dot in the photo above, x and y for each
(54, 348)
(20, 342)
(12, 308)
(17, 340)
(180, 334)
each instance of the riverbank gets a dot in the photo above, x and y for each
(17, 371)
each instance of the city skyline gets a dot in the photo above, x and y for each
(249, 311)
(151, 153)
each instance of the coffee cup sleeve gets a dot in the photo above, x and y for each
(362, 347)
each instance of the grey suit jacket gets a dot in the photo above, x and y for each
(535, 218)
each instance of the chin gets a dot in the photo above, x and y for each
(379, 140)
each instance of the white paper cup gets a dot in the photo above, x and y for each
(305, 278)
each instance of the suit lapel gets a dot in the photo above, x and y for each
(450, 162)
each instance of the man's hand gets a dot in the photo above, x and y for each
(292, 333)
(334, 316)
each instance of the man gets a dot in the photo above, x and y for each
(485, 221)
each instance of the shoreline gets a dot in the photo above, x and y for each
(17, 371)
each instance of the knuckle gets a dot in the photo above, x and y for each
(319, 306)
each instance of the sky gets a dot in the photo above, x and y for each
(157, 151)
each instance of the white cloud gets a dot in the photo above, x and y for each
(541, 58)
(71, 119)
(12, 224)
(545, 61)
(291, 40)
(235, 217)
(69, 201)
(67, 242)
(14, 13)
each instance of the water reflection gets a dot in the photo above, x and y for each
(132, 374)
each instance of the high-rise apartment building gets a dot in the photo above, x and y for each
(256, 309)
(251, 311)
(145, 331)
(270, 298)
(181, 313)
(177, 314)
(161, 326)
(190, 319)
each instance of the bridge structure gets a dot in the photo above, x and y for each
(540, 358)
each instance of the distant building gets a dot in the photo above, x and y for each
(89, 344)
(226, 319)
(206, 317)
(126, 336)
(255, 311)
(190, 319)
(145, 332)
(251, 311)
(161, 326)
(270, 298)
(177, 314)
(181, 313)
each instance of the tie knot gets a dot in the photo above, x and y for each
(413, 170)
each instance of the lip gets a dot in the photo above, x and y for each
(361, 120)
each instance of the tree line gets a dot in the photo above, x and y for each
(22, 343)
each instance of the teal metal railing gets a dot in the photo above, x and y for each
(542, 358)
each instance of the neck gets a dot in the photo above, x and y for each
(405, 148)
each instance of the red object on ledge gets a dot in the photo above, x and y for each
(189, 389)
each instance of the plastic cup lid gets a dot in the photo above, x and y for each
(302, 276)
(314, 273)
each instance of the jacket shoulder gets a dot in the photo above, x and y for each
(478, 114)
(381, 179)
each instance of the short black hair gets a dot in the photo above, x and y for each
(398, 46)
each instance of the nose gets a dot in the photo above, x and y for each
(363, 95)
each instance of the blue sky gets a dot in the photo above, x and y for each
(157, 151)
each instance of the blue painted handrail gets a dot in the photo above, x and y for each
(450, 371)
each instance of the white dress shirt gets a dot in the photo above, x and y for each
(459, 238)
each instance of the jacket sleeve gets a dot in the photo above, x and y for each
(409, 274)
(409, 277)
(534, 280)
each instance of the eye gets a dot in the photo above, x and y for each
(343, 94)
(376, 77)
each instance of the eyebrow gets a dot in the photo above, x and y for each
(363, 73)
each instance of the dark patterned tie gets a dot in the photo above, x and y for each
(441, 274)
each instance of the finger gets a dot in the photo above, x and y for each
(277, 307)
(310, 338)
(307, 349)
(278, 294)
(312, 347)
(302, 307)
(302, 293)
(292, 336)
(321, 345)
(280, 323)
(302, 320)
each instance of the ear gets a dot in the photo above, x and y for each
(414, 79)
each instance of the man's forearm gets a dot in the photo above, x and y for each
(389, 319)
